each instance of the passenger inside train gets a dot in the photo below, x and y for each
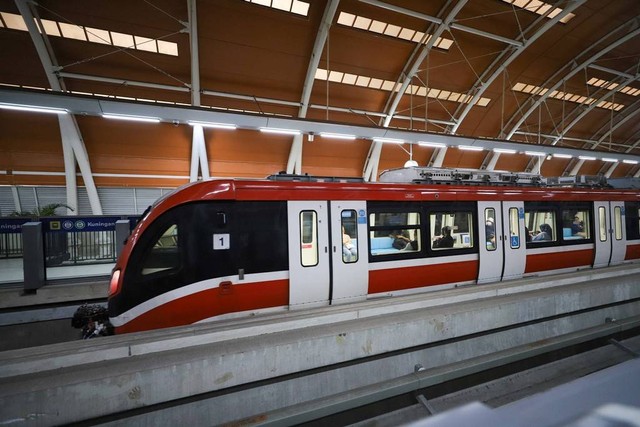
(545, 233)
(445, 240)
(349, 251)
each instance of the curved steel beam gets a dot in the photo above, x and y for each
(485, 81)
(409, 70)
(585, 111)
(574, 69)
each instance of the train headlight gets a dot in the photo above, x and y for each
(114, 285)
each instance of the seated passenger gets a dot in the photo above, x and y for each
(445, 240)
(400, 239)
(577, 227)
(545, 233)
(349, 251)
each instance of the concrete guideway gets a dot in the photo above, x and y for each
(97, 378)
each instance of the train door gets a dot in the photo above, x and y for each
(514, 240)
(610, 242)
(308, 254)
(618, 233)
(349, 251)
(491, 252)
(502, 241)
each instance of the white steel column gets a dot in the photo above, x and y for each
(609, 171)
(72, 144)
(409, 71)
(199, 159)
(294, 164)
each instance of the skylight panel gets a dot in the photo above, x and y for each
(282, 5)
(362, 23)
(346, 19)
(406, 34)
(335, 76)
(540, 8)
(611, 85)
(94, 35)
(563, 96)
(300, 8)
(168, 48)
(51, 28)
(379, 27)
(13, 21)
(122, 40)
(321, 74)
(375, 83)
(72, 31)
(363, 81)
(392, 30)
(389, 86)
(144, 43)
(294, 6)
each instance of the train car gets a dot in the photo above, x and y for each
(227, 248)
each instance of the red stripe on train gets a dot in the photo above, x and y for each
(559, 260)
(211, 302)
(395, 279)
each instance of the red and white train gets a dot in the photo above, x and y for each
(225, 248)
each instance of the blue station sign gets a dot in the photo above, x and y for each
(77, 224)
(12, 225)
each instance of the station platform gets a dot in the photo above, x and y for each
(41, 318)
(296, 367)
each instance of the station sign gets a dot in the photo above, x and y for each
(78, 224)
(12, 225)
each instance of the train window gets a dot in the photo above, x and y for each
(394, 233)
(576, 224)
(451, 230)
(514, 228)
(540, 223)
(602, 223)
(349, 224)
(490, 228)
(164, 254)
(632, 220)
(617, 221)
(308, 238)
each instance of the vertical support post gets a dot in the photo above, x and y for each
(33, 257)
(122, 233)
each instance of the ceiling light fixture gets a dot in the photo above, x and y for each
(132, 118)
(535, 153)
(562, 156)
(281, 131)
(34, 108)
(337, 135)
(609, 159)
(586, 157)
(212, 125)
(630, 162)
(431, 144)
(389, 140)
(470, 148)
(504, 151)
